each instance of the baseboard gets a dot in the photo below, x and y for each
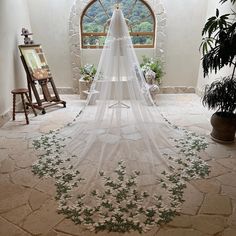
(176, 89)
(163, 89)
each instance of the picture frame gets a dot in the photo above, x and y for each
(34, 58)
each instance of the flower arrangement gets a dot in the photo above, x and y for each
(88, 72)
(154, 65)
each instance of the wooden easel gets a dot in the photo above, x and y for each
(40, 75)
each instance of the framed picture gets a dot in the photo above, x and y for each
(34, 58)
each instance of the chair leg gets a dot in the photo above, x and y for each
(14, 107)
(30, 104)
(23, 103)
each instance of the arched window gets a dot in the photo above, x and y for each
(95, 18)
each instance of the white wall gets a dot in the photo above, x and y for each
(185, 18)
(13, 16)
(211, 10)
(49, 22)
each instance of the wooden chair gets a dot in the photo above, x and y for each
(22, 92)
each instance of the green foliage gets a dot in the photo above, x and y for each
(143, 27)
(153, 64)
(219, 42)
(219, 50)
(88, 71)
(223, 1)
(221, 95)
(95, 19)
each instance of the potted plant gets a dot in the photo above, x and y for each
(219, 50)
(87, 72)
(154, 65)
(221, 96)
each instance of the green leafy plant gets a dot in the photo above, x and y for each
(153, 64)
(223, 1)
(219, 42)
(221, 95)
(219, 50)
(88, 72)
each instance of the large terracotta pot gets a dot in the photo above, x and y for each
(224, 127)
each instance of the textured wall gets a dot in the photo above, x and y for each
(13, 16)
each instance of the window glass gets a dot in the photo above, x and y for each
(95, 20)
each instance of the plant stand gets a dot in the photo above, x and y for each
(84, 85)
(92, 94)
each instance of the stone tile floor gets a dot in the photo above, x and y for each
(27, 205)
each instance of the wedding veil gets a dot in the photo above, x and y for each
(119, 121)
(119, 126)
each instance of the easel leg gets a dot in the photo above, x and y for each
(31, 105)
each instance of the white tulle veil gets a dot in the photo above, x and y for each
(119, 121)
(119, 126)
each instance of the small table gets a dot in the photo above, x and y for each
(84, 85)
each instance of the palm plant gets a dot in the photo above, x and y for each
(221, 95)
(219, 42)
(219, 50)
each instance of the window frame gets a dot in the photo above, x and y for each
(91, 34)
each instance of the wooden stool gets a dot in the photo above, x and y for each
(22, 92)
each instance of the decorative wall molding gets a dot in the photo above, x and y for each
(163, 90)
(74, 40)
(176, 89)
(74, 35)
(161, 22)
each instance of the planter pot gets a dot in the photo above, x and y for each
(84, 85)
(224, 127)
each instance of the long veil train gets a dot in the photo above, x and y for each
(116, 167)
